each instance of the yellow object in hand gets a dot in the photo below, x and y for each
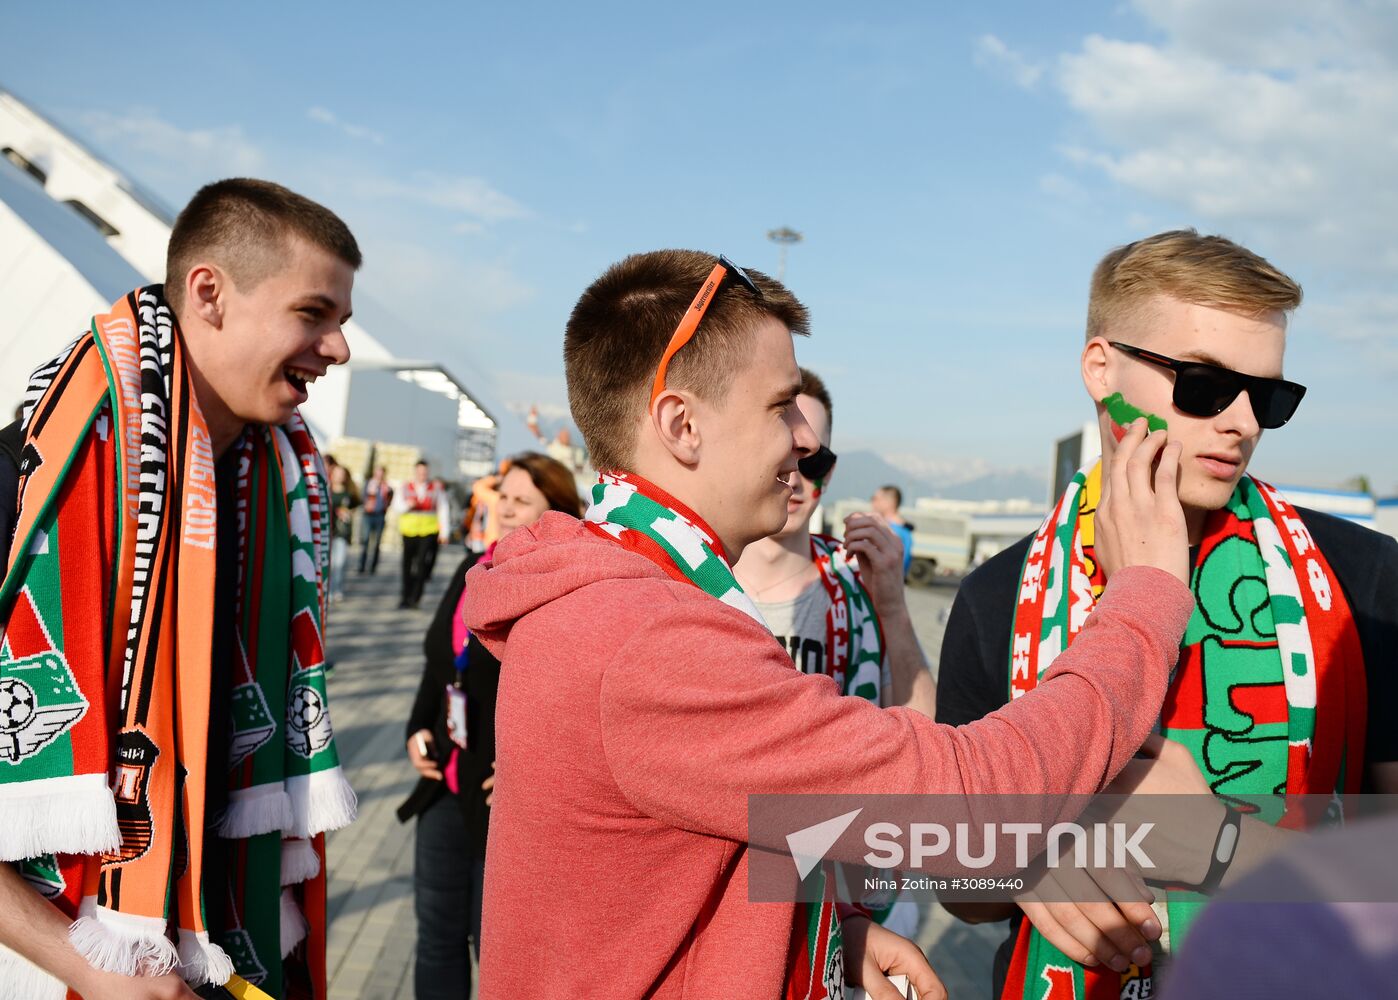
(244, 990)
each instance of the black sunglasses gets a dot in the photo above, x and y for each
(817, 465)
(1204, 390)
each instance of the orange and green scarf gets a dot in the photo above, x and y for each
(107, 610)
(1268, 692)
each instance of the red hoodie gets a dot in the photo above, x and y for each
(636, 714)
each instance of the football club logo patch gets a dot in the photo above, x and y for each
(238, 945)
(43, 875)
(39, 701)
(308, 727)
(135, 756)
(253, 724)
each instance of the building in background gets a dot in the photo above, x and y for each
(75, 234)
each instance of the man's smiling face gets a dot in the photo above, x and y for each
(280, 335)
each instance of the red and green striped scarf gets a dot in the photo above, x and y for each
(1271, 628)
(104, 673)
(642, 517)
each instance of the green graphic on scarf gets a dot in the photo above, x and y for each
(44, 875)
(308, 732)
(39, 697)
(255, 947)
(680, 540)
(1248, 648)
(265, 634)
(864, 671)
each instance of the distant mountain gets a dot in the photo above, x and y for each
(1000, 486)
(859, 473)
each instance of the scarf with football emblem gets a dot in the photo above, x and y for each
(1268, 693)
(104, 673)
(641, 517)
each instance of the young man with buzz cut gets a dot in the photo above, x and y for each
(1294, 616)
(643, 700)
(167, 766)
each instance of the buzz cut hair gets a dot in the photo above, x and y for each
(245, 226)
(622, 324)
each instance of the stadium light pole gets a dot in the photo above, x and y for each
(783, 237)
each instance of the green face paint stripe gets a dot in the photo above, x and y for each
(1123, 414)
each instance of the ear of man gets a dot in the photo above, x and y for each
(673, 425)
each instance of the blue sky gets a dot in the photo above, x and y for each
(957, 170)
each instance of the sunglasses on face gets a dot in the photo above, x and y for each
(1204, 390)
(818, 464)
(724, 272)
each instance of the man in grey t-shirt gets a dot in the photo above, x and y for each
(785, 578)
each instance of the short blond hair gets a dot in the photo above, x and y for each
(1201, 270)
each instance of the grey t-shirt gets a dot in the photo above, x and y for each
(799, 625)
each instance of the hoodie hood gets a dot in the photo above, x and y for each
(538, 565)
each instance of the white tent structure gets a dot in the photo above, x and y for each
(75, 234)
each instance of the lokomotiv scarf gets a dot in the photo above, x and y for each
(1268, 692)
(643, 518)
(104, 672)
(852, 631)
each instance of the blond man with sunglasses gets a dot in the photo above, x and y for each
(1294, 610)
(643, 700)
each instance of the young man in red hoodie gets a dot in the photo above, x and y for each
(642, 700)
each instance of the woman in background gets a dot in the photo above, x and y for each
(344, 498)
(451, 742)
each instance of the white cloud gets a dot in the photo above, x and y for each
(1273, 122)
(993, 54)
(220, 151)
(327, 117)
(470, 196)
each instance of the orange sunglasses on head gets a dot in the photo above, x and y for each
(724, 271)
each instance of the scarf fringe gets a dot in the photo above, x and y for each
(73, 814)
(294, 926)
(321, 801)
(23, 980)
(202, 961)
(254, 811)
(122, 943)
(300, 862)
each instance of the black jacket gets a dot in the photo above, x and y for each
(429, 711)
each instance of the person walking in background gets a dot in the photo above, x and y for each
(344, 498)
(378, 495)
(423, 520)
(451, 742)
(482, 520)
(886, 501)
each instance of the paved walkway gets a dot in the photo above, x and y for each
(378, 654)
